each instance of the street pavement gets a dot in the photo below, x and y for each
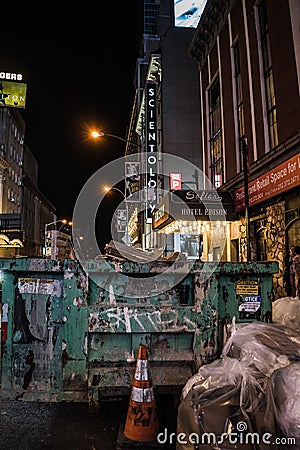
(64, 426)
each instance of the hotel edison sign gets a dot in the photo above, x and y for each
(194, 205)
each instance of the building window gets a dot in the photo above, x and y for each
(215, 134)
(238, 89)
(151, 8)
(261, 246)
(235, 250)
(268, 74)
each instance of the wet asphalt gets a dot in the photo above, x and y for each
(63, 426)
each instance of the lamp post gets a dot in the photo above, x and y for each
(54, 237)
(245, 158)
(113, 188)
(97, 134)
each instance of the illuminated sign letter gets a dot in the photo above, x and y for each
(151, 145)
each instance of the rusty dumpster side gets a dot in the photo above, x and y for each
(67, 337)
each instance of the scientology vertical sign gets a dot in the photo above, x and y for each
(151, 147)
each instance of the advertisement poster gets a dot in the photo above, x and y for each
(187, 13)
(121, 220)
(12, 94)
(133, 180)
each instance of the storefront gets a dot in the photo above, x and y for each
(213, 229)
(195, 223)
(274, 201)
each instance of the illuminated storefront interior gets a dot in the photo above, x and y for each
(188, 229)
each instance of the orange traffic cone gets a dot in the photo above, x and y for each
(142, 421)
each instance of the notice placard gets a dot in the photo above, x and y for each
(251, 303)
(246, 287)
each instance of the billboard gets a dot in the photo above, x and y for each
(12, 94)
(187, 13)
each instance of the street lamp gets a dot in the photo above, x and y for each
(54, 237)
(109, 188)
(97, 134)
(113, 188)
(245, 156)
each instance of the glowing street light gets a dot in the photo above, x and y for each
(109, 188)
(62, 221)
(98, 134)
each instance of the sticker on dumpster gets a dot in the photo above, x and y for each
(251, 303)
(35, 286)
(247, 287)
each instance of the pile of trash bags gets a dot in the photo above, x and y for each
(249, 398)
(286, 311)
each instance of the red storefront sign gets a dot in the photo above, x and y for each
(280, 179)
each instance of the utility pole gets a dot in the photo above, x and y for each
(245, 159)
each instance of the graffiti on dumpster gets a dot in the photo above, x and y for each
(126, 319)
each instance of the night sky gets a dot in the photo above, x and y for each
(79, 73)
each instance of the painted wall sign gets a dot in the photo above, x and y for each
(280, 179)
(12, 94)
(151, 147)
